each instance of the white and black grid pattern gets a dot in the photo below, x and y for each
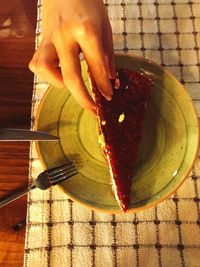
(168, 234)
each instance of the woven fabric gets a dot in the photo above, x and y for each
(63, 233)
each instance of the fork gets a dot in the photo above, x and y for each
(46, 179)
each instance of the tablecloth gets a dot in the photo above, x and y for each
(60, 232)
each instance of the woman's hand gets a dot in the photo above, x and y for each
(70, 27)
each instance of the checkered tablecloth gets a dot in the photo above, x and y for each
(61, 232)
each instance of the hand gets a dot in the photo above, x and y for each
(69, 28)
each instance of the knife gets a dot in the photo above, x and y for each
(12, 134)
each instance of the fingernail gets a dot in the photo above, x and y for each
(109, 92)
(108, 97)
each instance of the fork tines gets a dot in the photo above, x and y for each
(62, 172)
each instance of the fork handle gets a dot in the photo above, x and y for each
(15, 196)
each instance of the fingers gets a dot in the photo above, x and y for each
(45, 64)
(65, 49)
(108, 49)
(91, 45)
(71, 73)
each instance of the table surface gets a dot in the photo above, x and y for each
(16, 83)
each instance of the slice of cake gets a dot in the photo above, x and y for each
(120, 128)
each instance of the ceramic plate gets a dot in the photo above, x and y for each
(166, 153)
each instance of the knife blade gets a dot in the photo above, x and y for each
(12, 134)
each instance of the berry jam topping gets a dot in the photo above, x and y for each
(121, 121)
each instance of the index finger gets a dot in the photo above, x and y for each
(94, 54)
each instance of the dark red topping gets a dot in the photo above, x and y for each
(122, 138)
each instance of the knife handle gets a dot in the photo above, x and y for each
(15, 196)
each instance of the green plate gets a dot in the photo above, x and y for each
(166, 153)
